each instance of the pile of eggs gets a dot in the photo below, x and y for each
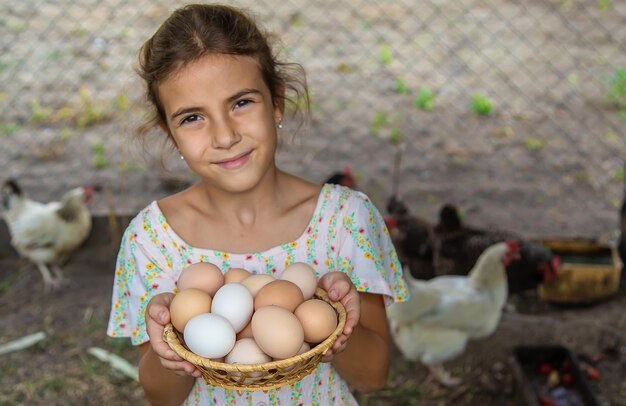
(243, 318)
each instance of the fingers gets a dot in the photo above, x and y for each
(157, 316)
(337, 284)
(158, 308)
(352, 304)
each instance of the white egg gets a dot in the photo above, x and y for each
(234, 302)
(209, 335)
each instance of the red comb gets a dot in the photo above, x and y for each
(513, 245)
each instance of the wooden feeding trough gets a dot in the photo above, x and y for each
(589, 272)
(550, 375)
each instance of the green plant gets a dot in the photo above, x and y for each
(385, 55)
(481, 105)
(425, 99)
(380, 121)
(534, 144)
(10, 128)
(99, 156)
(620, 175)
(90, 114)
(396, 135)
(605, 5)
(122, 102)
(617, 90)
(401, 87)
(38, 112)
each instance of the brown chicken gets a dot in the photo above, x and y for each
(46, 233)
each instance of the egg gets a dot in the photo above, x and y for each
(277, 332)
(279, 293)
(246, 351)
(187, 304)
(303, 275)
(255, 282)
(236, 275)
(246, 332)
(234, 302)
(209, 335)
(318, 320)
(201, 275)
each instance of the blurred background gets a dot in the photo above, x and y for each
(513, 110)
(508, 108)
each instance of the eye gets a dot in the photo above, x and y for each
(242, 103)
(190, 119)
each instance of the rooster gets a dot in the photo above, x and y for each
(46, 233)
(443, 313)
(457, 247)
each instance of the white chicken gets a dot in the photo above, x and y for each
(443, 313)
(46, 233)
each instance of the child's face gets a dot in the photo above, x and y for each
(220, 113)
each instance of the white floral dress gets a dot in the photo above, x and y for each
(346, 233)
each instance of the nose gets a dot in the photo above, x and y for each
(225, 134)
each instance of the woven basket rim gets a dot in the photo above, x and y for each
(171, 338)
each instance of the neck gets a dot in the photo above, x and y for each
(245, 208)
(489, 275)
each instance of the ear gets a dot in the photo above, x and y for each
(279, 104)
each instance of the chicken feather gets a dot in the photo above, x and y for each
(443, 313)
(46, 233)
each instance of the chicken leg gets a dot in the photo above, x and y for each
(48, 281)
(442, 376)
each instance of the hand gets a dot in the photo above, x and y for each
(157, 316)
(340, 288)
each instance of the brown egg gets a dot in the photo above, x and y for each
(280, 293)
(186, 305)
(201, 275)
(254, 283)
(277, 332)
(246, 332)
(303, 275)
(318, 320)
(235, 275)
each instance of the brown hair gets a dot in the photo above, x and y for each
(197, 30)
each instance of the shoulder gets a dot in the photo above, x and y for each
(145, 220)
(345, 198)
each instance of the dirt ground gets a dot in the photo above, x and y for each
(60, 371)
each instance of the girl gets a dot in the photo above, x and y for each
(218, 94)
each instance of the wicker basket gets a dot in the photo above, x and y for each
(255, 377)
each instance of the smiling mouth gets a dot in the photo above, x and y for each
(234, 162)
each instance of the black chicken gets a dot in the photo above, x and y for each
(412, 238)
(344, 177)
(457, 247)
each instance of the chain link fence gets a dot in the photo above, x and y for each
(514, 109)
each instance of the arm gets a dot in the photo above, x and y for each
(371, 337)
(165, 378)
(366, 327)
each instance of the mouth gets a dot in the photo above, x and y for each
(235, 162)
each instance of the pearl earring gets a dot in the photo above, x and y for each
(182, 157)
(280, 126)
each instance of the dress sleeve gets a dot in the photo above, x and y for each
(366, 252)
(141, 272)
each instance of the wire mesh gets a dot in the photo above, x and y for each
(499, 105)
